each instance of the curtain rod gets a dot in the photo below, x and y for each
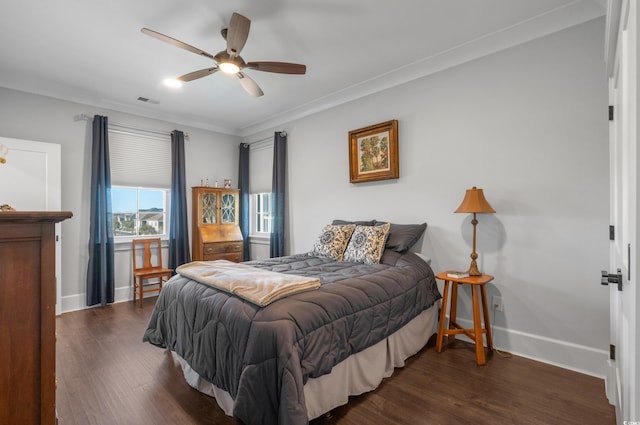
(266, 139)
(89, 118)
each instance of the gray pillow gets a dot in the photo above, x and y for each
(403, 236)
(357, 223)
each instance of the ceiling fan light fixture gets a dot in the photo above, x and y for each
(229, 67)
(229, 60)
(172, 82)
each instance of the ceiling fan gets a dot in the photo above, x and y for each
(229, 60)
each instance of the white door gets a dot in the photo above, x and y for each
(623, 376)
(30, 180)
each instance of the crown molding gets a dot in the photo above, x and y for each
(564, 17)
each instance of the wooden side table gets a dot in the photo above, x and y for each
(477, 285)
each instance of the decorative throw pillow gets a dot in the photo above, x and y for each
(367, 244)
(333, 240)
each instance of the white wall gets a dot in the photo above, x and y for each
(528, 125)
(27, 116)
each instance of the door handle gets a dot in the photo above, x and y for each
(612, 278)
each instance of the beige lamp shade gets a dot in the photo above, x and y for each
(474, 202)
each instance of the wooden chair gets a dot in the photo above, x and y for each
(156, 272)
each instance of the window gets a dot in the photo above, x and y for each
(261, 214)
(260, 176)
(140, 178)
(139, 211)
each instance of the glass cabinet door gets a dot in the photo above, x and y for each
(228, 208)
(208, 208)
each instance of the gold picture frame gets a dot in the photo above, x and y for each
(373, 152)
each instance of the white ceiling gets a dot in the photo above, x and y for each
(94, 53)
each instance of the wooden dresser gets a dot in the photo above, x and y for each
(216, 231)
(27, 316)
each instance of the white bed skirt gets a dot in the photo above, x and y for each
(355, 375)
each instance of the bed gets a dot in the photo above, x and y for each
(304, 353)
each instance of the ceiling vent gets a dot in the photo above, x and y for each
(146, 99)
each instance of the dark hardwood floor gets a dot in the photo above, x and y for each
(107, 375)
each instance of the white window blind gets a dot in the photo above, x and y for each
(261, 166)
(140, 160)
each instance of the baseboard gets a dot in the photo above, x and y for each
(79, 301)
(567, 355)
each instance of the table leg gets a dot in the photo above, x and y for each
(443, 312)
(477, 325)
(453, 311)
(487, 324)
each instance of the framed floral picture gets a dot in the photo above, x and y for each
(373, 153)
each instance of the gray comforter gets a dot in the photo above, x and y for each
(264, 356)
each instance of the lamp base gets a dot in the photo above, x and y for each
(473, 269)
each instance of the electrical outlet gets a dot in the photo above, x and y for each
(496, 303)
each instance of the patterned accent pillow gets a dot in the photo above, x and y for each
(367, 244)
(333, 240)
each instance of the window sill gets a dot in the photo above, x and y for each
(260, 240)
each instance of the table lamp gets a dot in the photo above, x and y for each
(474, 202)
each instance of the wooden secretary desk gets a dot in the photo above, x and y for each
(27, 316)
(215, 226)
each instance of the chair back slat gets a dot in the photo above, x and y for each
(154, 272)
(148, 245)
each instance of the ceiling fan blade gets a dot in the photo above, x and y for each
(280, 67)
(237, 33)
(249, 85)
(197, 74)
(175, 42)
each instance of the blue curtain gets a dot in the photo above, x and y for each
(243, 185)
(276, 247)
(179, 224)
(100, 286)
